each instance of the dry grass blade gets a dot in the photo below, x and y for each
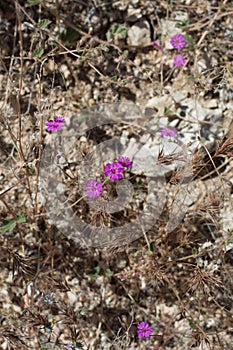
(23, 266)
(225, 148)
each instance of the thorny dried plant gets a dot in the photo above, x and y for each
(210, 164)
(201, 340)
(13, 339)
(204, 281)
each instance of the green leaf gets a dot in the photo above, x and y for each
(184, 24)
(139, 181)
(43, 23)
(76, 105)
(69, 35)
(114, 78)
(118, 31)
(190, 41)
(53, 42)
(125, 54)
(83, 312)
(152, 246)
(33, 2)
(103, 48)
(109, 273)
(97, 271)
(192, 324)
(38, 53)
(194, 251)
(21, 218)
(8, 225)
(168, 111)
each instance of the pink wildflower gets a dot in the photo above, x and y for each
(56, 124)
(125, 161)
(114, 171)
(94, 188)
(144, 330)
(178, 41)
(168, 132)
(179, 60)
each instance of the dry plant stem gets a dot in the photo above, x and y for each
(40, 141)
(197, 118)
(194, 27)
(194, 7)
(146, 238)
(213, 171)
(19, 139)
(58, 15)
(8, 189)
(8, 93)
(70, 206)
(38, 167)
(9, 209)
(215, 168)
(32, 89)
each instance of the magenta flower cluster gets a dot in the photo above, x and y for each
(56, 124)
(169, 132)
(144, 330)
(178, 42)
(114, 171)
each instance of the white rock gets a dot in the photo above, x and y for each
(213, 103)
(139, 34)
